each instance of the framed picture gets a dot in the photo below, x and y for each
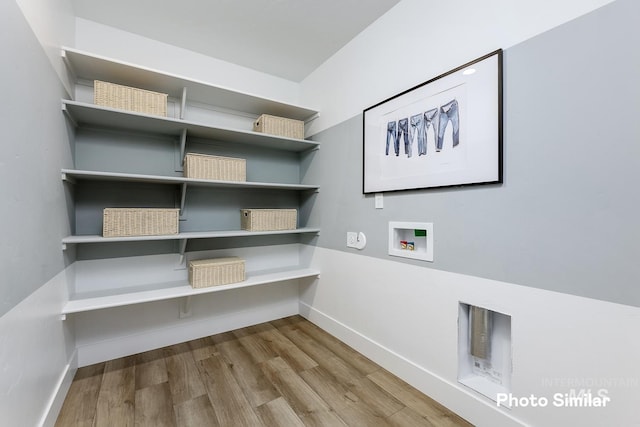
(444, 132)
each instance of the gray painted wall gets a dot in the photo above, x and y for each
(35, 147)
(565, 217)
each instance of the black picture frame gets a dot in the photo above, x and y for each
(445, 132)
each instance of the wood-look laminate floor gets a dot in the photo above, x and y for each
(283, 373)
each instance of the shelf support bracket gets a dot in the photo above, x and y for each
(186, 306)
(183, 103)
(68, 115)
(183, 145)
(183, 196)
(72, 70)
(68, 178)
(312, 118)
(182, 248)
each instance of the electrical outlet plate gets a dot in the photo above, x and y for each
(356, 240)
(352, 239)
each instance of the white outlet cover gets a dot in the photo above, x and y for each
(352, 239)
(356, 240)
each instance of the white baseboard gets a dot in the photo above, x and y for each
(52, 410)
(474, 408)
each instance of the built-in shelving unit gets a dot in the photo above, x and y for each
(202, 113)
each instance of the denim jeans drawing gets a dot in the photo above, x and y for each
(430, 121)
(448, 113)
(403, 129)
(391, 133)
(417, 128)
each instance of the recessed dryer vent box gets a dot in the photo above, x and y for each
(411, 240)
(484, 350)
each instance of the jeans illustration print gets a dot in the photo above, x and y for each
(448, 113)
(417, 128)
(430, 121)
(403, 129)
(391, 133)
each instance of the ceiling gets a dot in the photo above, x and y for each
(285, 38)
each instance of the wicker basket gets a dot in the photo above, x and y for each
(129, 98)
(216, 271)
(120, 222)
(202, 166)
(279, 126)
(268, 219)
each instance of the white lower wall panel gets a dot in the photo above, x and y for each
(405, 318)
(111, 333)
(37, 356)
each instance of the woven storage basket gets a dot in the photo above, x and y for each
(129, 98)
(216, 271)
(280, 126)
(120, 222)
(203, 166)
(268, 219)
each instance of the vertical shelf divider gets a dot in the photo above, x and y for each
(185, 307)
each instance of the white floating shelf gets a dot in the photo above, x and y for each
(162, 291)
(73, 174)
(90, 66)
(185, 236)
(85, 113)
